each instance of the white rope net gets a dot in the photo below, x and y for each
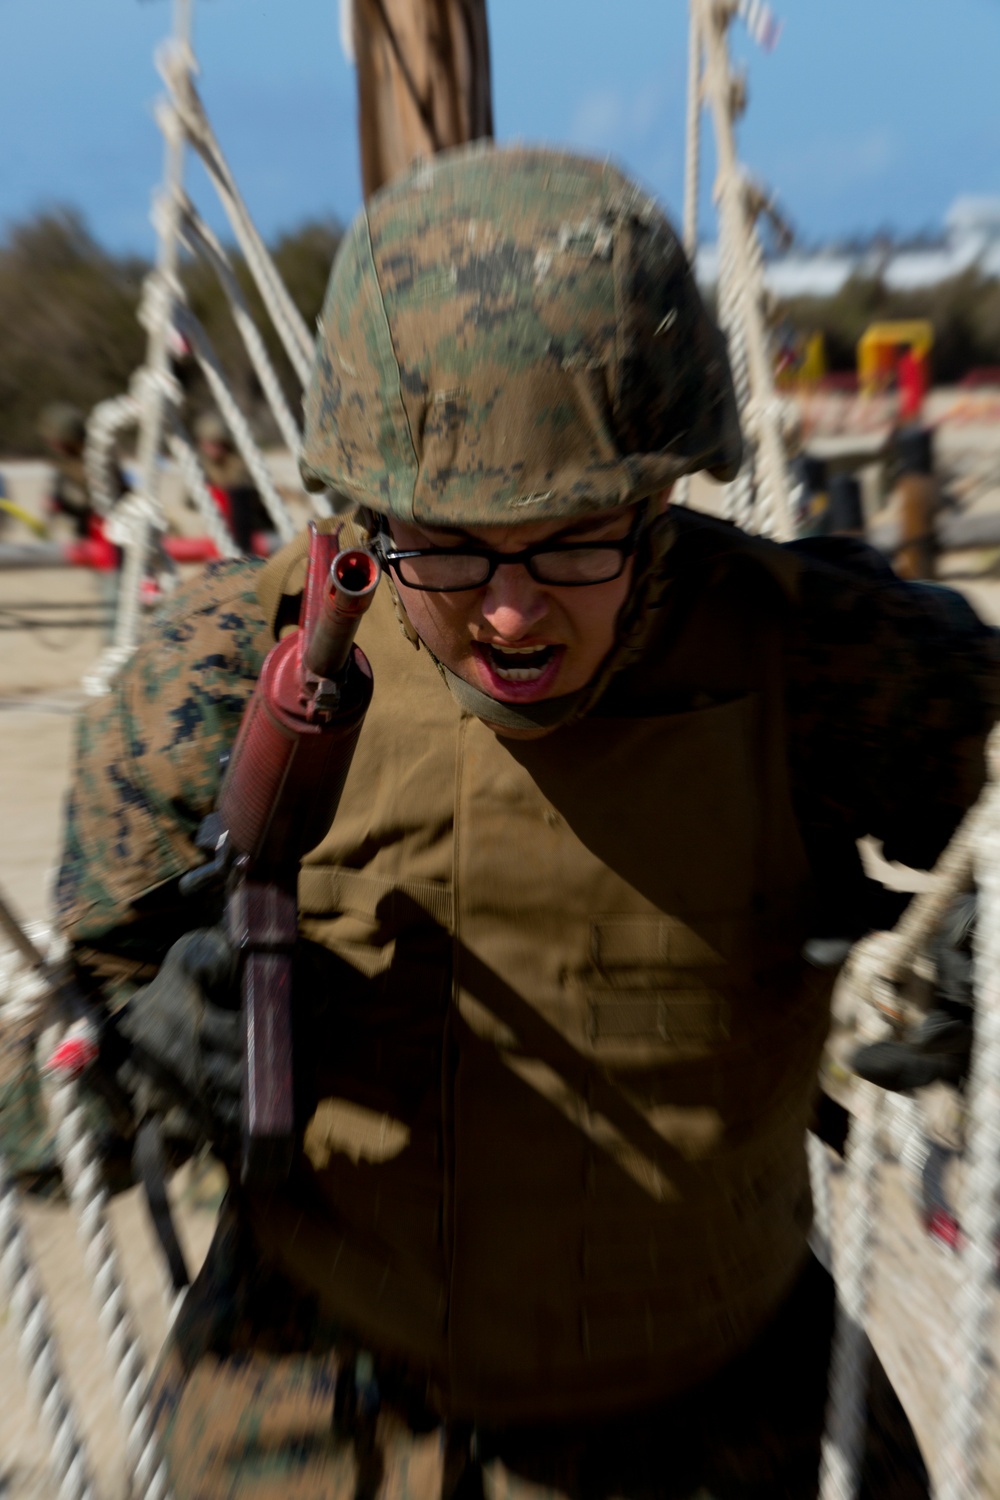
(155, 402)
(69, 1463)
(846, 1221)
(135, 521)
(759, 497)
(884, 1127)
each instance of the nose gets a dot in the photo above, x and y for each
(514, 604)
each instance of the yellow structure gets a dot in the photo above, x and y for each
(879, 348)
(813, 366)
(802, 361)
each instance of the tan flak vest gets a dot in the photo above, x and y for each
(564, 1171)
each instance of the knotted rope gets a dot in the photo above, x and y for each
(26, 985)
(980, 1209)
(155, 400)
(201, 240)
(177, 69)
(853, 1262)
(83, 1176)
(21, 994)
(235, 421)
(37, 1351)
(759, 498)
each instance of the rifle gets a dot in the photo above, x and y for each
(278, 799)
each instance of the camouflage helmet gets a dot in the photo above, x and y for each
(62, 424)
(513, 335)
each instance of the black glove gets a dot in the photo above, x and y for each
(186, 1032)
(941, 1046)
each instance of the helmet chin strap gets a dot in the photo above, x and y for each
(548, 713)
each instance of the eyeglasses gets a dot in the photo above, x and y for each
(570, 565)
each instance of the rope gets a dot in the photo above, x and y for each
(200, 238)
(764, 485)
(764, 415)
(98, 680)
(155, 398)
(107, 420)
(692, 135)
(979, 1217)
(37, 1351)
(186, 107)
(186, 458)
(853, 1262)
(154, 384)
(692, 174)
(879, 965)
(904, 1128)
(84, 1180)
(739, 495)
(760, 22)
(26, 980)
(21, 993)
(821, 1239)
(133, 525)
(925, 913)
(236, 422)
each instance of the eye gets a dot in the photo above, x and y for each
(440, 542)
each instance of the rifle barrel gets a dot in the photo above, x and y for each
(353, 579)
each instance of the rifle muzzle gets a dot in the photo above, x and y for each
(353, 578)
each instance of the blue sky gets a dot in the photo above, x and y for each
(869, 113)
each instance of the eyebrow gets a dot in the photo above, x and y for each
(573, 528)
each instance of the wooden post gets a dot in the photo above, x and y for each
(423, 81)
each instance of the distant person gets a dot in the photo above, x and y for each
(845, 512)
(916, 499)
(229, 482)
(63, 429)
(911, 373)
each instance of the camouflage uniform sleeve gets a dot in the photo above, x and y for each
(147, 771)
(893, 688)
(27, 1139)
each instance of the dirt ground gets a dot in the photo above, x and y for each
(40, 674)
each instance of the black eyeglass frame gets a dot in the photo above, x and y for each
(625, 547)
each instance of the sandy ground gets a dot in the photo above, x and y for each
(40, 673)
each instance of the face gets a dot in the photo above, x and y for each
(516, 639)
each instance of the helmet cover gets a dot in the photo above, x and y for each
(512, 335)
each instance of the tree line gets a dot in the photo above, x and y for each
(69, 329)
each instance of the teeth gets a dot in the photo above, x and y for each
(539, 657)
(519, 674)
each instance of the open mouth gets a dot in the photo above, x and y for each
(519, 671)
(519, 663)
